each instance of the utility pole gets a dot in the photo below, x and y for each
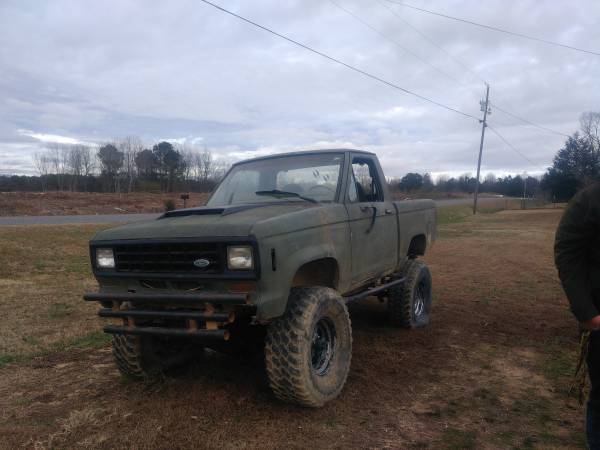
(486, 111)
(524, 190)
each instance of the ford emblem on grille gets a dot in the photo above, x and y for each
(201, 263)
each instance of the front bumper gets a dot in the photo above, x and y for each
(203, 315)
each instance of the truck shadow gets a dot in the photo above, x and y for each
(368, 313)
(245, 365)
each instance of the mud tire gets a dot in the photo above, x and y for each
(294, 346)
(409, 304)
(147, 357)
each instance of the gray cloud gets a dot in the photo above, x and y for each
(182, 70)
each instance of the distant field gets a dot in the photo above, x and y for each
(493, 370)
(76, 203)
(64, 203)
(86, 203)
(434, 195)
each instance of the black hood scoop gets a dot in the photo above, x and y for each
(208, 211)
(202, 211)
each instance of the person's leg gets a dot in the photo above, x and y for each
(593, 407)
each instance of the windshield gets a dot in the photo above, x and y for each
(287, 178)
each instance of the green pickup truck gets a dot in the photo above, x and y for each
(284, 243)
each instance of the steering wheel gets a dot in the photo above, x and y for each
(326, 191)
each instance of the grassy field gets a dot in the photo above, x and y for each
(493, 369)
(65, 203)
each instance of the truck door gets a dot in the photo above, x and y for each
(373, 220)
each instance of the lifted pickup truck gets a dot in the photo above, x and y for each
(284, 243)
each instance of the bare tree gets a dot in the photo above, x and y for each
(220, 168)
(65, 154)
(590, 129)
(207, 165)
(130, 146)
(42, 165)
(197, 165)
(59, 160)
(490, 179)
(54, 160)
(88, 164)
(76, 164)
(87, 161)
(187, 160)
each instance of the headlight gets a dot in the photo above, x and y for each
(105, 259)
(240, 258)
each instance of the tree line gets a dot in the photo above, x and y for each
(577, 163)
(127, 165)
(512, 186)
(124, 165)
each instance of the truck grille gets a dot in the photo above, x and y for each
(181, 257)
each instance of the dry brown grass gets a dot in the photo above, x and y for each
(64, 203)
(43, 271)
(491, 371)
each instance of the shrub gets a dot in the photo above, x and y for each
(169, 205)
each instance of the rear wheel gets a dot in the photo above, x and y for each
(409, 304)
(308, 350)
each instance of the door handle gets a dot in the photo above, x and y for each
(373, 217)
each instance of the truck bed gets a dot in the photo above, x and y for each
(415, 218)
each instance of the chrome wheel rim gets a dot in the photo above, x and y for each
(419, 301)
(322, 346)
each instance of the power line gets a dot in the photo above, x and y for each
(528, 122)
(393, 41)
(484, 124)
(435, 44)
(432, 42)
(367, 74)
(512, 147)
(342, 63)
(500, 30)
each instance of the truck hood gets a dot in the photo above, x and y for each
(208, 221)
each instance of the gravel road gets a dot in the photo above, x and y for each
(112, 218)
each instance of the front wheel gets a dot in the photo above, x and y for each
(409, 304)
(308, 350)
(149, 356)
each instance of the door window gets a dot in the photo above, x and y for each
(364, 183)
(352, 193)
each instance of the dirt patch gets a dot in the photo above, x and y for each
(66, 203)
(491, 371)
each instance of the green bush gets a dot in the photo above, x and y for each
(170, 205)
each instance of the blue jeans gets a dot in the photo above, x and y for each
(593, 407)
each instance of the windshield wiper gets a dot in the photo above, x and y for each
(278, 193)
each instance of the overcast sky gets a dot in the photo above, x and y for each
(83, 71)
